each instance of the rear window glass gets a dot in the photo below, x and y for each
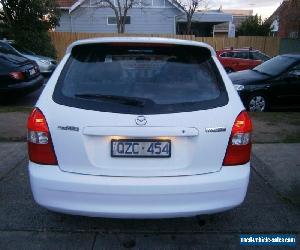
(140, 79)
(7, 50)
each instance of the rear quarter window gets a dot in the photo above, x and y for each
(140, 79)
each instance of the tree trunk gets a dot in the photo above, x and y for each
(122, 24)
(188, 24)
(118, 26)
(122, 28)
(188, 28)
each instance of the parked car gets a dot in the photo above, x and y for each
(139, 128)
(46, 64)
(240, 59)
(17, 73)
(275, 83)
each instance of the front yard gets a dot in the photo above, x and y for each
(276, 127)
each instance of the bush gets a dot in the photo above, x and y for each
(27, 22)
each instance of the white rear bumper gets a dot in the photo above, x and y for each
(127, 197)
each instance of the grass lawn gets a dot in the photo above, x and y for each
(276, 127)
(5, 109)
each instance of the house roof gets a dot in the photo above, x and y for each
(73, 4)
(207, 17)
(65, 3)
(238, 12)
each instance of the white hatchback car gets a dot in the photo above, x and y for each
(139, 128)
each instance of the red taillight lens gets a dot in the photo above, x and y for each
(40, 147)
(239, 147)
(17, 75)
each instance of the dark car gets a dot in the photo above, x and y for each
(275, 83)
(18, 75)
(241, 59)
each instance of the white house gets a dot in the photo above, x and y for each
(152, 17)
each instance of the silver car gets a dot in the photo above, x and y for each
(46, 64)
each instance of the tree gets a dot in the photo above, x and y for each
(254, 26)
(190, 7)
(28, 22)
(120, 9)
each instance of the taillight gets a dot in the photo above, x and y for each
(40, 147)
(17, 75)
(239, 146)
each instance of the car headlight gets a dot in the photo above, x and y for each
(238, 87)
(44, 61)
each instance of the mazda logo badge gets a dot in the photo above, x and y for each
(141, 120)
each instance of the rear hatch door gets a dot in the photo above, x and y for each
(106, 91)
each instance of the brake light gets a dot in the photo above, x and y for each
(239, 146)
(40, 146)
(17, 75)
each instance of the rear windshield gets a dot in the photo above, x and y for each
(140, 79)
(7, 49)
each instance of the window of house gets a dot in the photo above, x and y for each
(112, 20)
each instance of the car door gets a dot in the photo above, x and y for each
(285, 90)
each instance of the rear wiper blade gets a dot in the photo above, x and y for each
(126, 100)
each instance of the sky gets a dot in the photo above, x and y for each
(265, 8)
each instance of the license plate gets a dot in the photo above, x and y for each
(141, 148)
(32, 71)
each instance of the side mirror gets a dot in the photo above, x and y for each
(294, 74)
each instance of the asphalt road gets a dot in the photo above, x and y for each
(25, 225)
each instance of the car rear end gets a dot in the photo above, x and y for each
(17, 73)
(46, 65)
(139, 128)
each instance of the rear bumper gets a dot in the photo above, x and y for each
(47, 69)
(127, 197)
(24, 86)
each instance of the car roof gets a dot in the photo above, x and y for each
(154, 40)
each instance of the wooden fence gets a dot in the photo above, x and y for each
(268, 45)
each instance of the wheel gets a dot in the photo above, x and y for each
(257, 103)
(229, 70)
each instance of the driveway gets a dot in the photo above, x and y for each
(25, 225)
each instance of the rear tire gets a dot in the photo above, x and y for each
(257, 103)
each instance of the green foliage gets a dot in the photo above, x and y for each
(254, 26)
(28, 22)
